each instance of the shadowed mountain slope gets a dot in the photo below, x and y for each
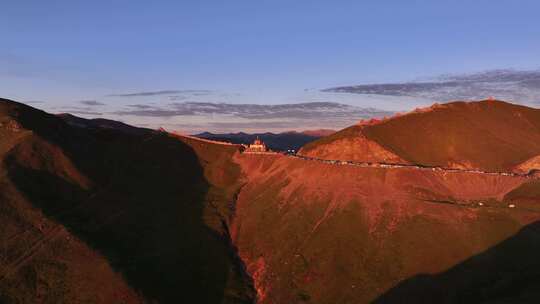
(488, 135)
(508, 272)
(101, 215)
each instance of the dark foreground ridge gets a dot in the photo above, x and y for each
(93, 214)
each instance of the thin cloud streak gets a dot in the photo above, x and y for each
(225, 117)
(163, 92)
(140, 106)
(92, 103)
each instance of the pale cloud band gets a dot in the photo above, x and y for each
(92, 103)
(163, 92)
(226, 117)
(310, 110)
(511, 85)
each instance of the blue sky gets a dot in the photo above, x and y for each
(251, 52)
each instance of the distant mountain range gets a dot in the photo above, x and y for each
(277, 142)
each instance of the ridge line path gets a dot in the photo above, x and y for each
(411, 166)
(366, 164)
(397, 165)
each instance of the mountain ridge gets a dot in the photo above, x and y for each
(489, 135)
(104, 215)
(94, 213)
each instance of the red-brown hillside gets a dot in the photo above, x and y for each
(99, 212)
(104, 215)
(489, 135)
(311, 232)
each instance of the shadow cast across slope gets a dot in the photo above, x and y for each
(506, 273)
(142, 208)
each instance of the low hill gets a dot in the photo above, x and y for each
(277, 142)
(106, 215)
(488, 135)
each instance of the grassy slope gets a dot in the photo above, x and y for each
(337, 234)
(490, 135)
(140, 217)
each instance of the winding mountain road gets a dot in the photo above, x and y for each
(369, 164)
(418, 167)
